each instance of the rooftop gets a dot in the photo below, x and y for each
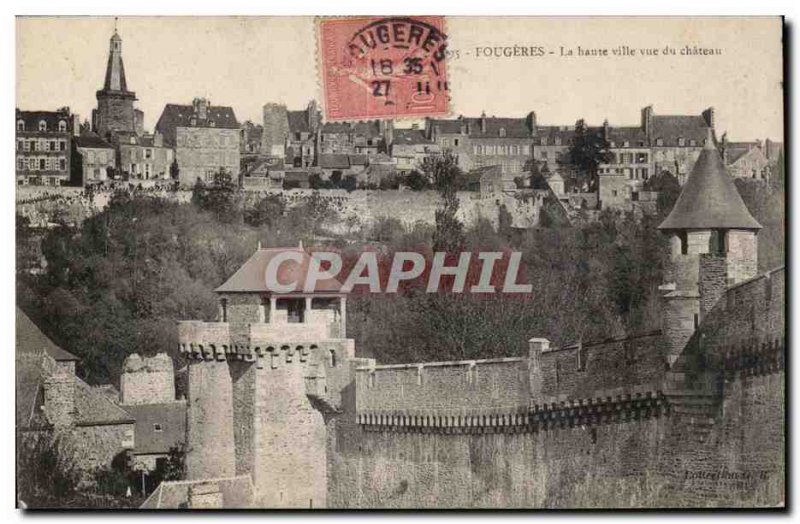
(251, 277)
(709, 199)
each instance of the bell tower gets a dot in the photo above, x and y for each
(713, 245)
(114, 102)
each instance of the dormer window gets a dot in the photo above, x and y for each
(692, 142)
(194, 122)
(42, 125)
(659, 141)
(62, 126)
(133, 140)
(502, 132)
(157, 428)
(212, 124)
(612, 144)
(20, 125)
(558, 140)
(544, 141)
(626, 144)
(681, 141)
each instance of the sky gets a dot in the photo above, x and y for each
(245, 62)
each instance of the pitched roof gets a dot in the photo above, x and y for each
(513, 127)
(709, 199)
(93, 141)
(92, 406)
(171, 418)
(51, 118)
(670, 128)
(409, 137)
(298, 121)
(175, 115)
(95, 408)
(635, 136)
(237, 492)
(251, 277)
(334, 161)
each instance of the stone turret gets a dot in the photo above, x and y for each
(148, 380)
(263, 380)
(713, 245)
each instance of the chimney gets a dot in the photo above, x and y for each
(59, 398)
(647, 121)
(605, 130)
(483, 122)
(532, 122)
(708, 116)
(201, 108)
(312, 115)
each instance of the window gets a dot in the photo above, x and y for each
(613, 192)
(26, 145)
(692, 142)
(42, 125)
(502, 132)
(20, 163)
(455, 142)
(62, 145)
(42, 164)
(223, 305)
(20, 145)
(626, 144)
(194, 122)
(544, 141)
(681, 141)
(53, 145)
(20, 125)
(148, 153)
(684, 243)
(659, 141)
(62, 126)
(157, 427)
(558, 140)
(544, 155)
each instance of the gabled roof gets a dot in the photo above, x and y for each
(251, 277)
(171, 419)
(513, 127)
(709, 199)
(51, 118)
(95, 408)
(175, 115)
(92, 141)
(670, 128)
(298, 121)
(635, 136)
(410, 137)
(92, 406)
(237, 492)
(334, 161)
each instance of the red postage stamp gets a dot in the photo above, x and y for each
(383, 67)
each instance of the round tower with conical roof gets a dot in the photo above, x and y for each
(713, 246)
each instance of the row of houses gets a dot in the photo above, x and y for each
(289, 147)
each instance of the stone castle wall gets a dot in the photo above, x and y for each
(579, 446)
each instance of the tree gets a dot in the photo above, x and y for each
(587, 151)
(349, 183)
(46, 475)
(267, 212)
(668, 188)
(444, 173)
(222, 197)
(416, 181)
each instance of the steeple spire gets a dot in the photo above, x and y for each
(115, 70)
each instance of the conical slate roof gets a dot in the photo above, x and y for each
(709, 199)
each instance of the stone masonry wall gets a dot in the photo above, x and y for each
(210, 439)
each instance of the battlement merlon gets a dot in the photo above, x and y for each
(222, 340)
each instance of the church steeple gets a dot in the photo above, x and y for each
(115, 71)
(115, 111)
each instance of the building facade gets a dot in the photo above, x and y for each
(205, 139)
(144, 156)
(485, 141)
(44, 146)
(94, 160)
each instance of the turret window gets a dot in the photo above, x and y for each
(684, 243)
(42, 125)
